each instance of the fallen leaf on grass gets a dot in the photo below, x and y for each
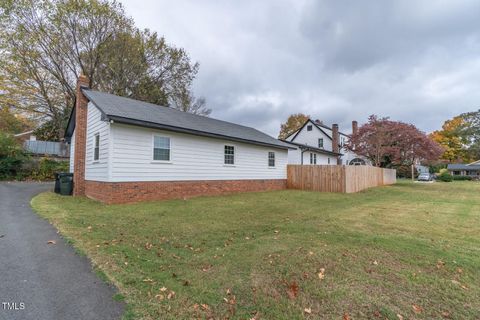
(375, 262)
(292, 290)
(346, 316)
(205, 306)
(416, 308)
(464, 287)
(446, 314)
(255, 316)
(321, 274)
(171, 295)
(399, 316)
(232, 301)
(163, 289)
(206, 268)
(148, 246)
(440, 264)
(308, 310)
(51, 242)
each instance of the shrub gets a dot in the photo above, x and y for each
(42, 169)
(462, 178)
(443, 171)
(445, 177)
(11, 156)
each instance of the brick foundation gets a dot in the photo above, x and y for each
(128, 192)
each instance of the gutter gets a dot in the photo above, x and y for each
(153, 125)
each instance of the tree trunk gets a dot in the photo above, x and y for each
(413, 173)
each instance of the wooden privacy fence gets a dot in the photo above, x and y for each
(345, 179)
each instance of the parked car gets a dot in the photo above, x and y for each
(425, 177)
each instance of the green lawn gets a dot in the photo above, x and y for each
(404, 251)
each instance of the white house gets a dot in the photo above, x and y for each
(317, 143)
(124, 150)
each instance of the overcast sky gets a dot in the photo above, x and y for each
(415, 61)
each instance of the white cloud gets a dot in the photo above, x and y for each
(260, 61)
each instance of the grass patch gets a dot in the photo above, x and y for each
(409, 250)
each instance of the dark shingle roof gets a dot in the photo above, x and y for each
(125, 110)
(459, 166)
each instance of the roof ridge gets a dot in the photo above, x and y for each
(173, 109)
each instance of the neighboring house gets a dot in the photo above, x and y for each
(319, 144)
(471, 169)
(124, 150)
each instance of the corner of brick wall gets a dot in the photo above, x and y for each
(81, 109)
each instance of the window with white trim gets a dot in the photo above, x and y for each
(96, 147)
(229, 155)
(161, 148)
(320, 143)
(271, 159)
(313, 158)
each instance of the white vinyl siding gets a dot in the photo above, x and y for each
(96, 170)
(311, 137)
(295, 157)
(192, 158)
(72, 152)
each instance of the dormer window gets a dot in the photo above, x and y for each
(309, 127)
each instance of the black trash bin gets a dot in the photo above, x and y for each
(66, 183)
(57, 183)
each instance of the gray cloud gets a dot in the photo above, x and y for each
(260, 61)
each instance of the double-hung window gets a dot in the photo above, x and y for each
(161, 148)
(271, 159)
(96, 147)
(320, 143)
(313, 158)
(229, 155)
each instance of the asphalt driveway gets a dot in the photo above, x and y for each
(40, 280)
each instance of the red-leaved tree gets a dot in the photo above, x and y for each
(383, 141)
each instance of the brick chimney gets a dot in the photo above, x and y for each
(354, 127)
(81, 106)
(335, 138)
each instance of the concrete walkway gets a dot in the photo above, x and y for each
(39, 280)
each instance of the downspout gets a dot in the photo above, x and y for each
(303, 151)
